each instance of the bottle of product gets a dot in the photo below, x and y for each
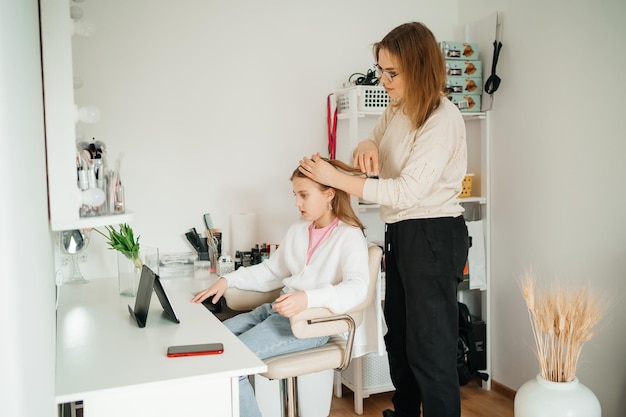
(119, 198)
(225, 265)
(237, 259)
(116, 189)
(264, 252)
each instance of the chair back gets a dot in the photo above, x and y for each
(375, 255)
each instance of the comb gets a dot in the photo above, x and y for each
(208, 222)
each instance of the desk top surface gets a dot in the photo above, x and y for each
(100, 346)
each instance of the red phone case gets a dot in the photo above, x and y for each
(195, 350)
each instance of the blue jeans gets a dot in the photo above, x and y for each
(266, 333)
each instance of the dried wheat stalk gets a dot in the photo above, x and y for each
(562, 318)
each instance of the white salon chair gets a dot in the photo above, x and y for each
(313, 322)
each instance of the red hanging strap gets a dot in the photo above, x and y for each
(331, 120)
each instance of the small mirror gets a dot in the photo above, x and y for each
(73, 242)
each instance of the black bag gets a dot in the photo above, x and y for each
(466, 357)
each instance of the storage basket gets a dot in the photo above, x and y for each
(375, 374)
(466, 190)
(372, 99)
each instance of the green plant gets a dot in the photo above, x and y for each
(124, 241)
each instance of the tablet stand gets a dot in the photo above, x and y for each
(150, 281)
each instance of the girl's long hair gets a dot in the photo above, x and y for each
(341, 202)
(422, 66)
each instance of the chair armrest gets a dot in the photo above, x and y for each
(317, 322)
(244, 300)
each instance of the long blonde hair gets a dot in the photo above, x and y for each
(340, 204)
(422, 66)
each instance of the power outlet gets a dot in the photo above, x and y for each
(58, 277)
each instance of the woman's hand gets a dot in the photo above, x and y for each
(366, 157)
(217, 290)
(322, 172)
(319, 170)
(291, 304)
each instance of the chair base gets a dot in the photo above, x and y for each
(314, 395)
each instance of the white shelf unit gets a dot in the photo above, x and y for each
(366, 375)
(355, 119)
(60, 114)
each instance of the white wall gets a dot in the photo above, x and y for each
(27, 291)
(558, 176)
(213, 103)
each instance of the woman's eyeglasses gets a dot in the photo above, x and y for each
(380, 72)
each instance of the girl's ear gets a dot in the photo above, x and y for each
(330, 193)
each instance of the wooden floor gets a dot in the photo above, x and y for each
(475, 402)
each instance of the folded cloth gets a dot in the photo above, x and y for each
(369, 335)
(476, 256)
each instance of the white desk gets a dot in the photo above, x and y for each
(118, 369)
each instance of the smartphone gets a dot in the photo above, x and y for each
(194, 350)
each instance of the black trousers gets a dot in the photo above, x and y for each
(424, 263)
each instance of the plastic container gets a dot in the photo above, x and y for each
(372, 99)
(467, 186)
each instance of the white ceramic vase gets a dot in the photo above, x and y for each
(542, 398)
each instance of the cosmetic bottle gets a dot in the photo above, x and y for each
(225, 265)
(119, 199)
(111, 185)
(237, 259)
(264, 252)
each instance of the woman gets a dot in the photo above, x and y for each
(419, 147)
(321, 262)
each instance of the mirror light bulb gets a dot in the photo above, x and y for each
(76, 12)
(83, 28)
(87, 114)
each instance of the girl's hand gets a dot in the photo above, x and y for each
(366, 158)
(291, 304)
(217, 290)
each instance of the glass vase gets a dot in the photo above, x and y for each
(129, 265)
(128, 272)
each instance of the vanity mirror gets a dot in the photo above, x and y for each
(72, 243)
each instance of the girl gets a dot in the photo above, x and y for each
(321, 262)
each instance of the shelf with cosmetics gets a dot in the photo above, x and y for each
(77, 195)
(358, 109)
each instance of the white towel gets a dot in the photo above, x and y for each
(476, 256)
(369, 335)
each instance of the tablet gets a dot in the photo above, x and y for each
(148, 282)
